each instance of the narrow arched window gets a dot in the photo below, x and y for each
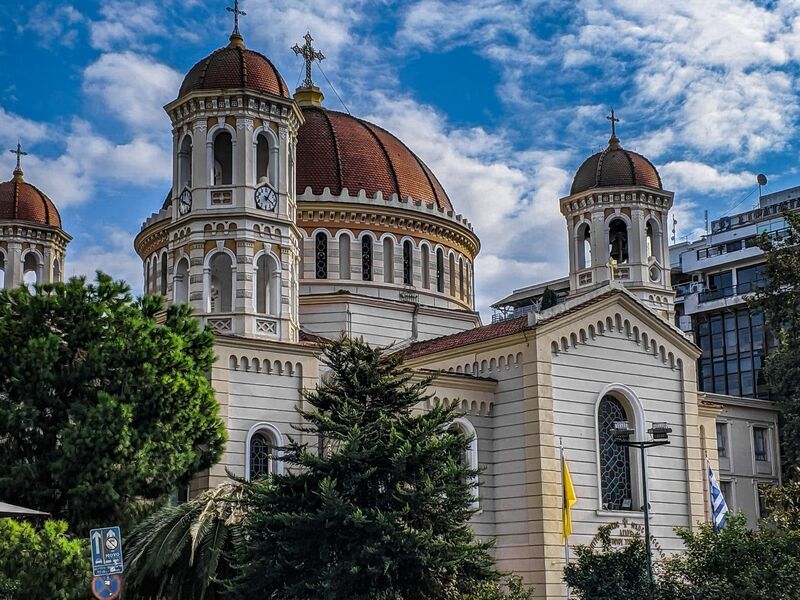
(440, 271)
(408, 263)
(181, 283)
(366, 258)
(468, 458)
(653, 241)
(321, 255)
(221, 283)
(262, 159)
(461, 278)
(163, 274)
(30, 270)
(618, 241)
(426, 267)
(262, 460)
(185, 164)
(56, 271)
(344, 256)
(584, 246)
(267, 285)
(452, 264)
(388, 260)
(223, 159)
(615, 460)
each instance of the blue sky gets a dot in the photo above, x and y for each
(503, 99)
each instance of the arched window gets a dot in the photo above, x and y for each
(344, 256)
(268, 285)
(185, 164)
(452, 265)
(584, 246)
(2, 270)
(321, 255)
(618, 241)
(181, 283)
(440, 270)
(469, 458)
(262, 159)
(221, 283)
(223, 158)
(164, 274)
(30, 270)
(56, 271)
(426, 267)
(653, 241)
(615, 460)
(388, 260)
(263, 452)
(461, 278)
(366, 258)
(408, 263)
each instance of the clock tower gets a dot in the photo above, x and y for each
(226, 239)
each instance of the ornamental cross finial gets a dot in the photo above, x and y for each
(309, 56)
(236, 12)
(18, 151)
(614, 120)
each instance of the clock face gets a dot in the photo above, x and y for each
(185, 201)
(266, 198)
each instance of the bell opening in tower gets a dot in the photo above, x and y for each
(618, 241)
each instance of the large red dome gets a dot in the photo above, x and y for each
(235, 67)
(614, 167)
(20, 201)
(336, 150)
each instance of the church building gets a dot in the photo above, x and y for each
(288, 222)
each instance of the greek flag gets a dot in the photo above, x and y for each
(719, 510)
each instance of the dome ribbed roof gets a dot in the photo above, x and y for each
(336, 150)
(20, 201)
(614, 167)
(235, 67)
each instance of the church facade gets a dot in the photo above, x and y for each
(288, 222)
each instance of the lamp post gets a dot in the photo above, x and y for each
(659, 434)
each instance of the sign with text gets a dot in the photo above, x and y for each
(106, 551)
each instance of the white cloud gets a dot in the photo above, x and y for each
(111, 251)
(685, 175)
(127, 24)
(54, 25)
(134, 88)
(14, 127)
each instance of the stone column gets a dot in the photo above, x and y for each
(198, 282)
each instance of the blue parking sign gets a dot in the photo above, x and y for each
(106, 551)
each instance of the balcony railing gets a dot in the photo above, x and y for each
(748, 287)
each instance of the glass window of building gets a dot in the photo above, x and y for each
(722, 439)
(726, 487)
(760, 444)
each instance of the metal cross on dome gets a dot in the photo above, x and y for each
(614, 122)
(309, 56)
(236, 12)
(18, 151)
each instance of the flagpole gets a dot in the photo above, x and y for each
(563, 506)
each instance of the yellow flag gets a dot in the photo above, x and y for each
(569, 499)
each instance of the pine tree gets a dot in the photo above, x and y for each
(380, 509)
(549, 298)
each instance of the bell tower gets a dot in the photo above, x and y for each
(226, 239)
(617, 224)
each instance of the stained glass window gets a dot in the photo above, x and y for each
(260, 456)
(615, 462)
(366, 258)
(321, 247)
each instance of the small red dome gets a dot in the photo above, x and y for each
(336, 150)
(20, 201)
(615, 167)
(235, 67)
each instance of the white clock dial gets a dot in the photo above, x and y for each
(266, 198)
(185, 201)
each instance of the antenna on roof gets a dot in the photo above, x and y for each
(674, 226)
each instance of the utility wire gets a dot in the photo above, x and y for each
(347, 110)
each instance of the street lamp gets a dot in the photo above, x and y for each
(659, 434)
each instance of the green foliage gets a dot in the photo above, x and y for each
(101, 405)
(736, 563)
(780, 300)
(549, 298)
(783, 503)
(183, 551)
(383, 512)
(42, 563)
(607, 573)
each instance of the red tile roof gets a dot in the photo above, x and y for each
(471, 336)
(235, 67)
(336, 150)
(20, 201)
(614, 167)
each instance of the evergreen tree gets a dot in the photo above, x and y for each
(380, 509)
(101, 403)
(549, 299)
(779, 300)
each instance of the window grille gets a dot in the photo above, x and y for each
(322, 256)
(407, 263)
(260, 456)
(366, 258)
(615, 463)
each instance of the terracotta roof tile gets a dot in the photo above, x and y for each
(336, 150)
(614, 167)
(21, 201)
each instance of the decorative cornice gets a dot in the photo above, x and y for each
(593, 199)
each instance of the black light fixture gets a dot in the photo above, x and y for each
(660, 431)
(622, 431)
